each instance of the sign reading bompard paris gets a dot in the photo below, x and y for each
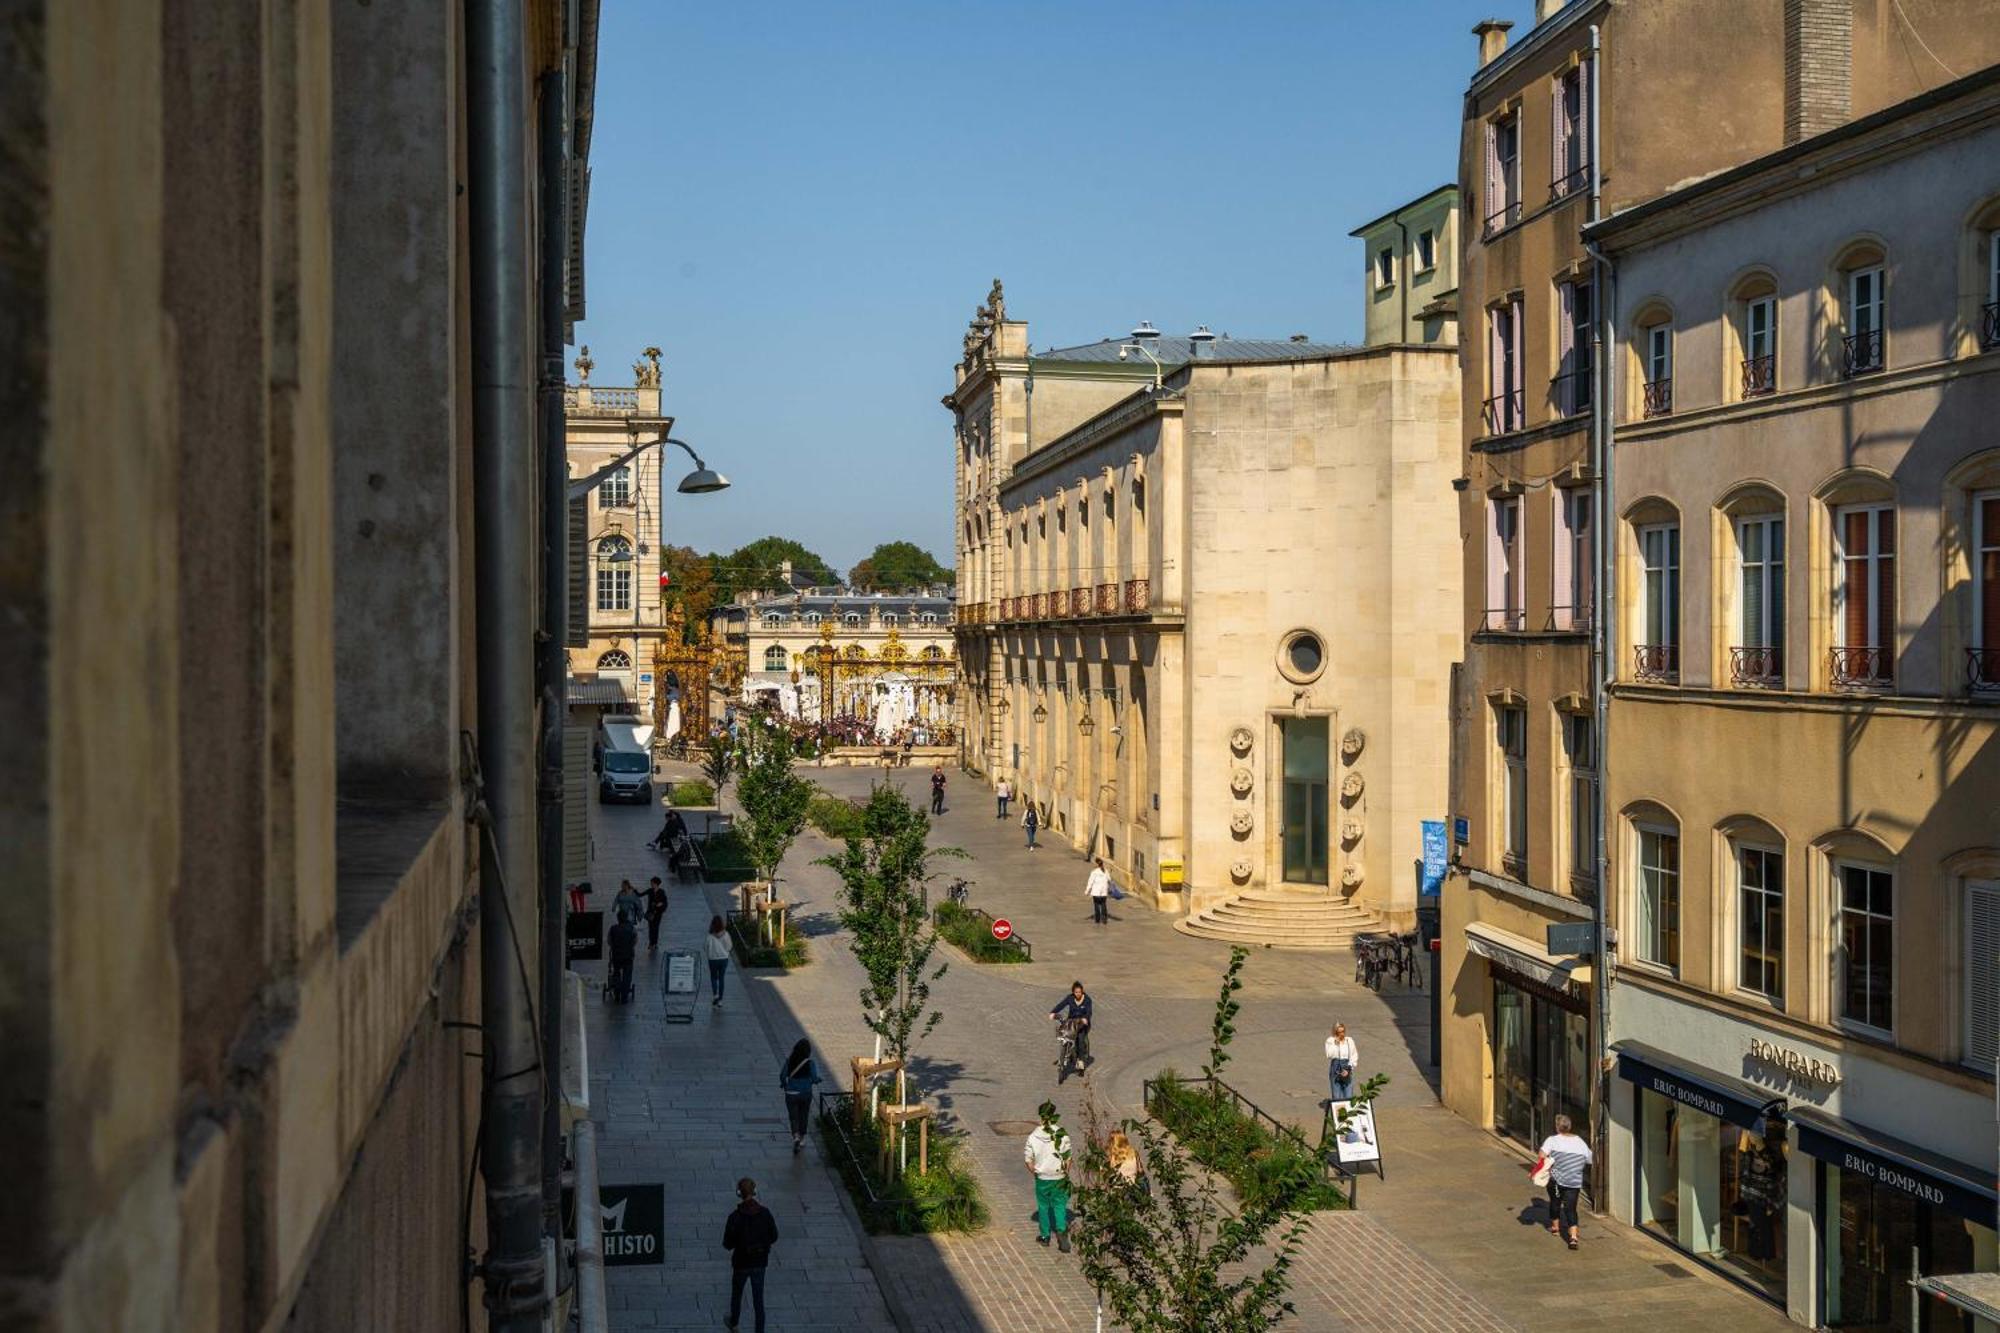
(1805, 1068)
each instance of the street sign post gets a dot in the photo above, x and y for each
(1003, 929)
(1573, 939)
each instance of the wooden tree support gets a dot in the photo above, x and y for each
(896, 1117)
(771, 916)
(867, 1068)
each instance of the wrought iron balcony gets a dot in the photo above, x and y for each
(1505, 413)
(1568, 620)
(1570, 392)
(1657, 398)
(1757, 666)
(1107, 599)
(1982, 669)
(1138, 595)
(1079, 601)
(1657, 662)
(1861, 353)
(1505, 619)
(1503, 217)
(1989, 325)
(1573, 182)
(1862, 668)
(1038, 606)
(1760, 376)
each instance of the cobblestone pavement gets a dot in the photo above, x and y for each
(1449, 1240)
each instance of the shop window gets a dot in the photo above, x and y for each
(1865, 963)
(1305, 809)
(1878, 1237)
(1659, 899)
(1714, 1188)
(1541, 1060)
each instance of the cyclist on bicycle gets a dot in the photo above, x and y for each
(1074, 1009)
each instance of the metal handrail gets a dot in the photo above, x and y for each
(1330, 1168)
(1504, 412)
(1505, 619)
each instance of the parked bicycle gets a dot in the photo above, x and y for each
(960, 892)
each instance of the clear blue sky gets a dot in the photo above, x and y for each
(803, 203)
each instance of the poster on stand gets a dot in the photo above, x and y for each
(1356, 1141)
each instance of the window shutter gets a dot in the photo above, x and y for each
(1584, 74)
(1496, 368)
(1982, 974)
(1518, 387)
(1496, 558)
(578, 635)
(1566, 341)
(1494, 202)
(1559, 578)
(1558, 131)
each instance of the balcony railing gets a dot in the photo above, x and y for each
(1657, 661)
(1757, 666)
(1038, 606)
(1989, 324)
(1570, 183)
(1503, 217)
(1861, 353)
(1568, 620)
(972, 613)
(1138, 595)
(1982, 669)
(1079, 601)
(1107, 599)
(1505, 413)
(1657, 398)
(1505, 619)
(1760, 376)
(1861, 668)
(1570, 392)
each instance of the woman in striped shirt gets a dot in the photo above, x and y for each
(1567, 1156)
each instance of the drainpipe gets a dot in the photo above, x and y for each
(503, 504)
(1603, 288)
(1403, 286)
(554, 662)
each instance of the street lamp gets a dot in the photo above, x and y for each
(701, 481)
(1144, 339)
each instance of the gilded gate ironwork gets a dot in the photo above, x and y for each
(686, 664)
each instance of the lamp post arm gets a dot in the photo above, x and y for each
(583, 486)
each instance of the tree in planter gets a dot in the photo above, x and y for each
(774, 800)
(718, 763)
(882, 872)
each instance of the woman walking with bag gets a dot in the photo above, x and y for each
(797, 1076)
(1564, 1157)
(717, 949)
(1031, 822)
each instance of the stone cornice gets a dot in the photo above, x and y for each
(1114, 420)
(1826, 394)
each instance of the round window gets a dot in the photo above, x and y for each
(1302, 656)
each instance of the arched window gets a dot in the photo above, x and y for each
(614, 573)
(1986, 245)
(1756, 861)
(1653, 339)
(1655, 616)
(1861, 884)
(774, 619)
(1656, 880)
(1750, 616)
(851, 618)
(1862, 293)
(1752, 327)
(774, 658)
(933, 653)
(1862, 591)
(615, 491)
(615, 660)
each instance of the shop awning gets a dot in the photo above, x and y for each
(1977, 1294)
(1893, 1164)
(591, 693)
(1720, 1095)
(1520, 954)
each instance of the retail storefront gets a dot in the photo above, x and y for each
(1822, 1178)
(1541, 1036)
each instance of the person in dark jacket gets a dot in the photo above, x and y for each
(748, 1236)
(797, 1076)
(656, 909)
(624, 944)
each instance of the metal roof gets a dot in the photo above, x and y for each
(1176, 351)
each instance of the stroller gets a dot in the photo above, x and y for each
(624, 945)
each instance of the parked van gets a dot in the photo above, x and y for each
(625, 759)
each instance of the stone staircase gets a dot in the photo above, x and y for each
(1280, 921)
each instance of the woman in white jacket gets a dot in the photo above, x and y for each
(717, 949)
(1341, 1058)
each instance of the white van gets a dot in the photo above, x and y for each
(625, 759)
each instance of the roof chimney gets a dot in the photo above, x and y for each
(1492, 35)
(1201, 344)
(1819, 66)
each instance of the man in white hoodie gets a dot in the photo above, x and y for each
(1047, 1157)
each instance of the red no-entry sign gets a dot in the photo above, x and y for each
(1003, 929)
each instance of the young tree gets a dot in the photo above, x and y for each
(774, 800)
(718, 762)
(882, 873)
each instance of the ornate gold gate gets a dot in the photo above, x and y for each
(685, 662)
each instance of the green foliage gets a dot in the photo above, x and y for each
(690, 584)
(757, 564)
(685, 794)
(727, 859)
(974, 935)
(718, 762)
(753, 952)
(946, 1198)
(835, 816)
(897, 567)
(1222, 1028)
(774, 800)
(1261, 1163)
(882, 870)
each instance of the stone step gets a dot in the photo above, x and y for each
(1303, 912)
(1280, 921)
(1330, 942)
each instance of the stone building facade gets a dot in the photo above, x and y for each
(238, 582)
(877, 641)
(1198, 617)
(1804, 848)
(1520, 1040)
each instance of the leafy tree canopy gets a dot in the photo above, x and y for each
(758, 565)
(897, 567)
(690, 582)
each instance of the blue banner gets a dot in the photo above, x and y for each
(1436, 854)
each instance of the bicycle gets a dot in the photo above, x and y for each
(1065, 1048)
(959, 892)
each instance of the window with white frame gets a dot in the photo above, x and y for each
(1426, 250)
(1580, 751)
(1511, 737)
(1574, 586)
(1760, 346)
(617, 659)
(1385, 268)
(1866, 302)
(1505, 575)
(615, 491)
(1658, 656)
(1659, 897)
(1758, 655)
(1657, 392)
(1983, 664)
(1982, 973)
(1760, 920)
(1865, 963)
(1864, 595)
(775, 658)
(1505, 369)
(614, 574)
